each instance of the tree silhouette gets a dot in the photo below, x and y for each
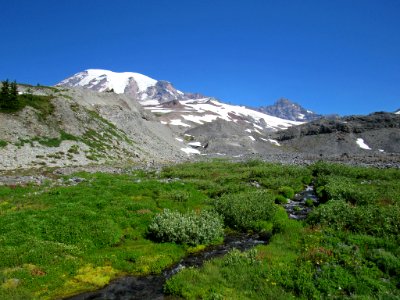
(13, 95)
(4, 93)
(9, 95)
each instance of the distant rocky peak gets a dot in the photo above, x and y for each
(286, 109)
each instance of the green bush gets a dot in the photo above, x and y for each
(189, 228)
(386, 261)
(3, 144)
(369, 219)
(243, 210)
(286, 191)
(309, 203)
(279, 199)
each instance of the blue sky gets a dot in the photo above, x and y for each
(336, 56)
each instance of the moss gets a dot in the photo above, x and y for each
(196, 249)
(11, 283)
(309, 203)
(96, 276)
(3, 144)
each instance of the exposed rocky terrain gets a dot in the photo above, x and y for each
(286, 109)
(136, 120)
(172, 107)
(84, 127)
(360, 135)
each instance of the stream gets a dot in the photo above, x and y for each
(151, 286)
(299, 207)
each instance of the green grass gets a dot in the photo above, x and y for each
(3, 144)
(59, 241)
(348, 248)
(49, 142)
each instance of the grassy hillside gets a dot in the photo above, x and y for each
(61, 240)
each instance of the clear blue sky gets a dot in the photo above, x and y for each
(331, 56)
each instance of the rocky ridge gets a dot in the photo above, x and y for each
(286, 109)
(84, 127)
(374, 133)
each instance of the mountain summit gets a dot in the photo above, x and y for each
(286, 109)
(135, 85)
(172, 107)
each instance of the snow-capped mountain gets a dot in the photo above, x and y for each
(191, 113)
(286, 109)
(136, 85)
(397, 112)
(178, 109)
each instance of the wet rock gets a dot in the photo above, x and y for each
(300, 206)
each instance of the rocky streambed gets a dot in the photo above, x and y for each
(300, 206)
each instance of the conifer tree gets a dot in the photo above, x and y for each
(4, 93)
(13, 95)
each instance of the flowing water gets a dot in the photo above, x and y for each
(151, 287)
(299, 207)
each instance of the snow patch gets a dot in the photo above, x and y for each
(195, 144)
(200, 119)
(189, 151)
(275, 142)
(160, 110)
(179, 140)
(178, 122)
(360, 142)
(149, 102)
(252, 138)
(381, 150)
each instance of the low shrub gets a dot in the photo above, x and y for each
(366, 219)
(244, 210)
(189, 228)
(309, 203)
(279, 199)
(286, 191)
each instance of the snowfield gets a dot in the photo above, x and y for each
(107, 80)
(360, 142)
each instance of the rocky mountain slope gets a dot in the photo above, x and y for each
(187, 114)
(173, 107)
(286, 109)
(374, 133)
(204, 125)
(83, 127)
(109, 118)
